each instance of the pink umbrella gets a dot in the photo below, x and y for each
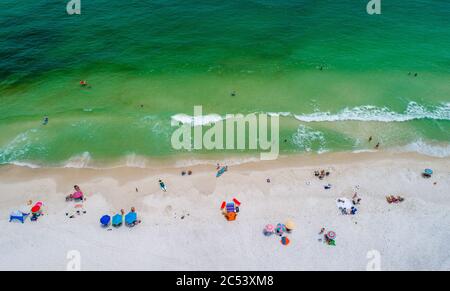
(269, 229)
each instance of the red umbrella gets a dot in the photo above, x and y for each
(35, 209)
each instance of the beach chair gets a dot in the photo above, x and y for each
(131, 219)
(105, 220)
(117, 220)
(18, 215)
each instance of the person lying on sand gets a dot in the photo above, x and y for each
(392, 199)
(355, 199)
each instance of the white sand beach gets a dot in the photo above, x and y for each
(184, 229)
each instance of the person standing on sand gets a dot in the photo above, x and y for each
(162, 185)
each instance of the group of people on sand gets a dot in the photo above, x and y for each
(321, 174)
(77, 196)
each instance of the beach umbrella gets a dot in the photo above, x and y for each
(290, 225)
(285, 241)
(428, 172)
(77, 195)
(281, 228)
(269, 229)
(105, 219)
(331, 235)
(36, 209)
(117, 220)
(230, 207)
(131, 218)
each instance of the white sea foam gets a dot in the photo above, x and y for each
(135, 161)
(196, 120)
(413, 111)
(305, 138)
(17, 147)
(79, 161)
(381, 114)
(433, 150)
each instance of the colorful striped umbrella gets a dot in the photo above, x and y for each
(331, 235)
(285, 241)
(281, 228)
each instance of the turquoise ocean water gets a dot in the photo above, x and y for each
(334, 74)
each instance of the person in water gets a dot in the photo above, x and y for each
(45, 122)
(370, 138)
(377, 146)
(83, 83)
(233, 94)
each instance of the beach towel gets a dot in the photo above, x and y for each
(230, 207)
(221, 171)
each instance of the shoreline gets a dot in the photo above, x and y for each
(191, 159)
(183, 228)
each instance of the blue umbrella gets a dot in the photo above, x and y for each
(105, 220)
(131, 218)
(428, 172)
(117, 220)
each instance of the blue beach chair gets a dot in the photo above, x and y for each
(104, 220)
(18, 215)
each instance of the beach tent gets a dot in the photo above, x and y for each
(18, 215)
(104, 220)
(117, 220)
(131, 218)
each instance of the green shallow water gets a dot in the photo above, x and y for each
(169, 56)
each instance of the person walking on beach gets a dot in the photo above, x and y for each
(162, 186)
